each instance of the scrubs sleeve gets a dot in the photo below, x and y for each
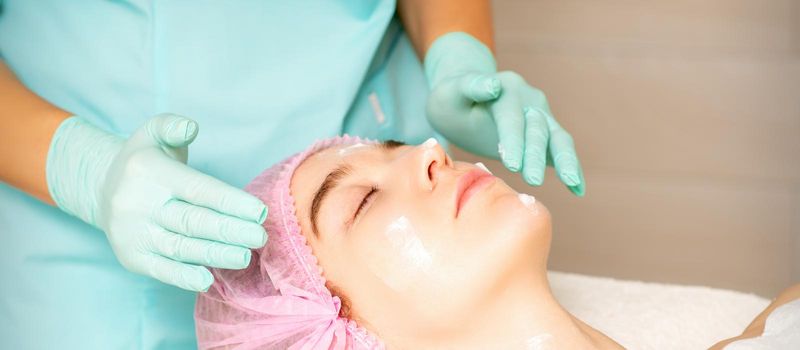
(1, 17)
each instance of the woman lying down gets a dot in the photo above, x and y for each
(375, 245)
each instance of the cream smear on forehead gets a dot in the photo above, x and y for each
(350, 149)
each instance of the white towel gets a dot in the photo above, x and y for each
(781, 331)
(642, 315)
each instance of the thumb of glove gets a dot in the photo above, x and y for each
(172, 130)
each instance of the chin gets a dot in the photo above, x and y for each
(512, 235)
(528, 223)
(526, 218)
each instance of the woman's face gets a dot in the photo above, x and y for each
(409, 258)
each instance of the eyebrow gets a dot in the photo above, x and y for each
(335, 179)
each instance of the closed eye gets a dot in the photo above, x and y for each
(364, 201)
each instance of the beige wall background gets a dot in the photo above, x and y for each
(686, 117)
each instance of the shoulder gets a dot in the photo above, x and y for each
(756, 328)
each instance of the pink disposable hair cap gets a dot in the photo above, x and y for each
(280, 300)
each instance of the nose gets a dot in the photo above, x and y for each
(430, 159)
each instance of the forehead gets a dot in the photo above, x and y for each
(312, 172)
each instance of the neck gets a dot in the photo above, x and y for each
(524, 315)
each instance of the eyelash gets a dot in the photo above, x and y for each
(372, 191)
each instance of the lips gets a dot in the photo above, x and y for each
(469, 184)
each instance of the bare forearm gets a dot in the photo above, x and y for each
(426, 20)
(27, 124)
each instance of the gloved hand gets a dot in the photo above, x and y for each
(162, 218)
(490, 113)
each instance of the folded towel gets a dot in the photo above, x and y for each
(781, 331)
(642, 315)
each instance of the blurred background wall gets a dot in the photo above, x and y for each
(686, 117)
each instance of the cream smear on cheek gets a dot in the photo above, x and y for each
(539, 342)
(408, 259)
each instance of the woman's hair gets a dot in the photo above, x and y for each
(281, 299)
(344, 311)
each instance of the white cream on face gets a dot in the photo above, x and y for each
(350, 149)
(430, 142)
(528, 201)
(404, 238)
(429, 145)
(539, 342)
(409, 257)
(483, 167)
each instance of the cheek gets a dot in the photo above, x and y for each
(391, 248)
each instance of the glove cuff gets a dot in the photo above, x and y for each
(454, 53)
(77, 162)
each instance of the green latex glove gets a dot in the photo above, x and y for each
(496, 114)
(162, 218)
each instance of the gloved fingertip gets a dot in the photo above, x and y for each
(493, 87)
(482, 88)
(533, 180)
(253, 237)
(512, 166)
(191, 130)
(510, 162)
(201, 281)
(234, 257)
(570, 179)
(181, 130)
(245, 258)
(172, 130)
(579, 190)
(530, 112)
(262, 216)
(208, 280)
